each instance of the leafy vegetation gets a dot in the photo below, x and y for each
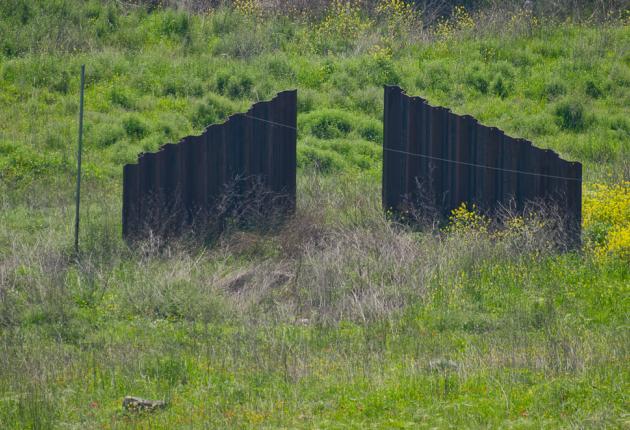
(341, 318)
(163, 74)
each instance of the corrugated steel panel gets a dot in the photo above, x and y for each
(453, 159)
(180, 184)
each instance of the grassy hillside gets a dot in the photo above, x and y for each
(340, 318)
(155, 77)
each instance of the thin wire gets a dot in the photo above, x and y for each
(439, 158)
(270, 122)
(484, 166)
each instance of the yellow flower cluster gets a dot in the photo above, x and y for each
(343, 21)
(399, 15)
(469, 220)
(381, 52)
(606, 219)
(463, 219)
(248, 7)
(522, 22)
(459, 22)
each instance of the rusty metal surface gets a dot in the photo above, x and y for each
(435, 158)
(178, 185)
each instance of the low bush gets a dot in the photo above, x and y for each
(501, 87)
(592, 89)
(212, 110)
(554, 89)
(121, 97)
(182, 86)
(105, 135)
(279, 67)
(369, 101)
(435, 76)
(478, 81)
(135, 127)
(327, 123)
(571, 115)
(174, 24)
(381, 68)
(320, 160)
(234, 85)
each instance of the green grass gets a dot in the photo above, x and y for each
(155, 77)
(339, 319)
(340, 323)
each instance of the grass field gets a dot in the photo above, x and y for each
(340, 318)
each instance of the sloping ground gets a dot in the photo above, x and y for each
(339, 319)
(154, 78)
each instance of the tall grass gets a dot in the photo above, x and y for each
(338, 316)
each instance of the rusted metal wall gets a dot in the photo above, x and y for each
(434, 157)
(176, 186)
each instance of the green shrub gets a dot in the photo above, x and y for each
(327, 123)
(344, 84)
(221, 81)
(123, 153)
(356, 153)
(236, 86)
(370, 129)
(547, 50)
(135, 127)
(478, 80)
(61, 82)
(152, 142)
(211, 111)
(174, 23)
(554, 90)
(322, 160)
(570, 115)
(620, 75)
(226, 21)
(435, 76)
(541, 125)
(311, 74)
(182, 86)
(56, 138)
(501, 87)
(107, 19)
(172, 125)
(121, 97)
(18, 11)
(381, 70)
(504, 74)
(280, 67)
(309, 100)
(104, 134)
(620, 124)
(520, 58)
(19, 163)
(592, 89)
(171, 370)
(369, 101)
